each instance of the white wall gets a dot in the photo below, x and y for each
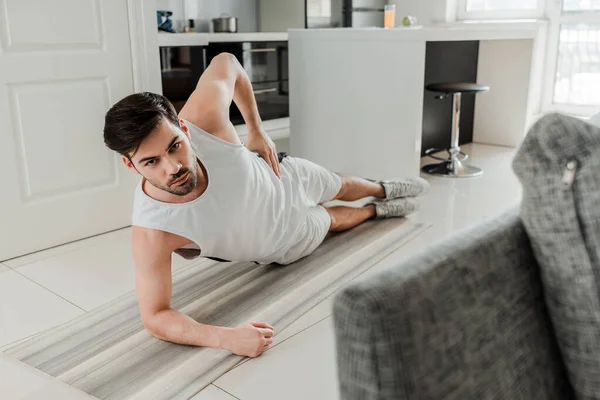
(280, 15)
(204, 10)
(426, 11)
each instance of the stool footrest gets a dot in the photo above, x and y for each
(452, 170)
(429, 153)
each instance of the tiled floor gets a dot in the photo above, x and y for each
(48, 288)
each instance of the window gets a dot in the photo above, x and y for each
(501, 5)
(500, 9)
(578, 65)
(573, 75)
(318, 8)
(318, 14)
(581, 5)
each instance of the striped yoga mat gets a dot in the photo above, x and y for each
(108, 354)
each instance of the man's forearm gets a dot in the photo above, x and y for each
(243, 96)
(174, 326)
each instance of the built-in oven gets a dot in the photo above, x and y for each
(181, 67)
(266, 64)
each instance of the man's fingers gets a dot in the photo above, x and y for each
(271, 165)
(262, 325)
(268, 343)
(275, 162)
(277, 165)
(266, 332)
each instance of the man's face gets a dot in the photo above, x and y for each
(166, 159)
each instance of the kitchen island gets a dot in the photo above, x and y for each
(357, 95)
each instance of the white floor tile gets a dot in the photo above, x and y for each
(453, 204)
(20, 381)
(315, 315)
(456, 204)
(213, 393)
(87, 277)
(91, 275)
(122, 236)
(66, 248)
(27, 309)
(302, 367)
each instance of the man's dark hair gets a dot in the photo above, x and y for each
(133, 118)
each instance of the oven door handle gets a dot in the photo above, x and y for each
(261, 91)
(266, 50)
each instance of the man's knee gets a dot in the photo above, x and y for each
(343, 187)
(334, 223)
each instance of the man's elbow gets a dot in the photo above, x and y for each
(153, 326)
(225, 58)
(227, 62)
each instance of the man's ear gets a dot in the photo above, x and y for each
(129, 164)
(184, 128)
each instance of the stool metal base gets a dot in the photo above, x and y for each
(452, 169)
(453, 166)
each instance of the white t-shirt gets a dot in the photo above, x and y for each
(245, 214)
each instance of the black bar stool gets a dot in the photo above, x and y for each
(453, 165)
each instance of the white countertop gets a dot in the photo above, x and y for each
(203, 39)
(443, 32)
(275, 128)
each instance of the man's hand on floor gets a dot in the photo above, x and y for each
(250, 339)
(258, 141)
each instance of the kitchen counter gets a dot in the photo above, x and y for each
(443, 32)
(357, 94)
(203, 39)
(277, 129)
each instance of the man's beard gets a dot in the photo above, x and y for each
(180, 189)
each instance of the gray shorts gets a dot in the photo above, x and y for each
(320, 186)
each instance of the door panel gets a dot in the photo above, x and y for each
(52, 25)
(58, 77)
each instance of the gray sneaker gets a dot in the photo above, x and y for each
(409, 187)
(394, 208)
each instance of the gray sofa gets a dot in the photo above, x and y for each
(509, 309)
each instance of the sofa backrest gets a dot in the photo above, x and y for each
(559, 168)
(464, 320)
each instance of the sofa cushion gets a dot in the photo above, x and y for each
(559, 167)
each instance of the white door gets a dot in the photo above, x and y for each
(63, 63)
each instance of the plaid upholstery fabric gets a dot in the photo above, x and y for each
(561, 213)
(464, 320)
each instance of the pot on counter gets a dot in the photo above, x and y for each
(225, 23)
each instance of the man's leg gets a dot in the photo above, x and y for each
(343, 218)
(354, 188)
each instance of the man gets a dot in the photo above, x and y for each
(202, 189)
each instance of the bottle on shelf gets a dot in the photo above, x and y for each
(189, 27)
(389, 16)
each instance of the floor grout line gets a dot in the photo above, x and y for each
(61, 245)
(223, 390)
(299, 332)
(51, 291)
(278, 343)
